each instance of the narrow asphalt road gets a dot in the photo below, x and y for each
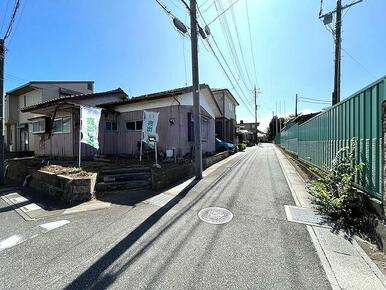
(150, 247)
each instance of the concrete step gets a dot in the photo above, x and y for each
(126, 177)
(122, 185)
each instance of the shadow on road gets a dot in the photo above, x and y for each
(94, 277)
(91, 275)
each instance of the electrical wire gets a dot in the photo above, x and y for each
(12, 20)
(200, 6)
(311, 99)
(5, 16)
(207, 8)
(226, 74)
(250, 39)
(165, 8)
(359, 63)
(229, 68)
(240, 47)
(231, 45)
(222, 11)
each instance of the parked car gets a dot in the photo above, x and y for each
(225, 146)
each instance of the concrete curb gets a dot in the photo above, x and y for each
(334, 275)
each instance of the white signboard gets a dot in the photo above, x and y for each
(90, 126)
(149, 126)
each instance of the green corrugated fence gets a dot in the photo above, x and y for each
(317, 140)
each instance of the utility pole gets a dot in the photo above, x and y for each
(296, 105)
(338, 41)
(196, 93)
(327, 19)
(2, 56)
(276, 125)
(280, 117)
(255, 113)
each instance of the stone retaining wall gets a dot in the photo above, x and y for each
(163, 179)
(67, 189)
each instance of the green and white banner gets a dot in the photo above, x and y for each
(150, 121)
(90, 126)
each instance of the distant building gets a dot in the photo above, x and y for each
(249, 130)
(226, 118)
(17, 124)
(299, 119)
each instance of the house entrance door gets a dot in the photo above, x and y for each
(24, 140)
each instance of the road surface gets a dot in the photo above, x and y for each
(149, 246)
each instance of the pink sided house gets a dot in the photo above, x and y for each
(56, 131)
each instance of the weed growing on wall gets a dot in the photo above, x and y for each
(334, 195)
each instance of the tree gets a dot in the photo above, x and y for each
(275, 122)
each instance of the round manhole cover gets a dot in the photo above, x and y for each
(215, 215)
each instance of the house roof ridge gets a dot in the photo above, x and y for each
(72, 97)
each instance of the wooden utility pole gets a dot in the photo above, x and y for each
(296, 105)
(327, 19)
(2, 56)
(255, 113)
(196, 90)
(338, 41)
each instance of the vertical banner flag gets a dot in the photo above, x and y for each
(90, 126)
(150, 120)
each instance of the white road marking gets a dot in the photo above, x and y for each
(10, 242)
(30, 207)
(8, 195)
(18, 199)
(54, 225)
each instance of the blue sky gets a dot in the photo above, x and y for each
(133, 45)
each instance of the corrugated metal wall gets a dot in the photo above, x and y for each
(319, 139)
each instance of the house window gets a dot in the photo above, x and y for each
(138, 125)
(39, 126)
(134, 125)
(25, 100)
(111, 126)
(61, 125)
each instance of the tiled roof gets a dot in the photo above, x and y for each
(152, 96)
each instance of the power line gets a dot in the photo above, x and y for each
(312, 99)
(359, 63)
(250, 39)
(5, 16)
(222, 67)
(230, 43)
(241, 49)
(200, 6)
(11, 22)
(314, 102)
(207, 8)
(222, 11)
(165, 8)
(229, 68)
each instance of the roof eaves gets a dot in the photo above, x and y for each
(73, 97)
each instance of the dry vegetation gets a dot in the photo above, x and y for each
(67, 171)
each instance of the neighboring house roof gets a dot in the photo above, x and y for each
(30, 86)
(160, 95)
(72, 98)
(229, 92)
(300, 119)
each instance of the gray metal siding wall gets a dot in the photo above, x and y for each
(360, 116)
